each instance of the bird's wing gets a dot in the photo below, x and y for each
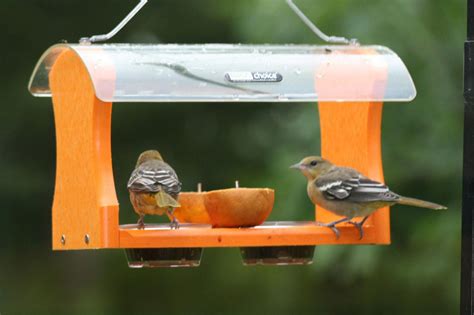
(154, 177)
(349, 185)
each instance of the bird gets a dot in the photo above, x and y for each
(346, 192)
(154, 188)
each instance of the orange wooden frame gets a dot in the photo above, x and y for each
(85, 207)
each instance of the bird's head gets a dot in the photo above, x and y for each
(312, 166)
(149, 155)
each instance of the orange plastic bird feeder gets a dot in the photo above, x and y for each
(350, 84)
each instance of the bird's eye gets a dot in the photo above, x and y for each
(313, 163)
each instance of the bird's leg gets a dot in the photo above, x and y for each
(174, 222)
(141, 223)
(332, 225)
(359, 225)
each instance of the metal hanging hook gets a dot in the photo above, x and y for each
(112, 33)
(317, 31)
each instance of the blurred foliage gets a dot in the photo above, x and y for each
(422, 146)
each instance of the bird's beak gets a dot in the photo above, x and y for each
(297, 166)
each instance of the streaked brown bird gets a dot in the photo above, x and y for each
(347, 193)
(154, 187)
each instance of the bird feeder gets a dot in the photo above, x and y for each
(349, 84)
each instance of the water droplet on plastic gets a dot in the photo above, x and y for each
(97, 64)
(298, 71)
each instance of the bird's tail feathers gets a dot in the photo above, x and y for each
(165, 200)
(420, 203)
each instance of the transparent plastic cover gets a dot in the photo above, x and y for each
(220, 73)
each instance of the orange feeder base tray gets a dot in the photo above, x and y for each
(268, 234)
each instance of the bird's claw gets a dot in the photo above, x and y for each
(141, 224)
(174, 225)
(359, 228)
(332, 227)
(358, 225)
(336, 231)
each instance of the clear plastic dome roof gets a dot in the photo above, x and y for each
(233, 73)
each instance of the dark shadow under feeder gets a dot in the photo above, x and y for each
(163, 257)
(277, 255)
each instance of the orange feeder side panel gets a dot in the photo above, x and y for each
(351, 131)
(85, 207)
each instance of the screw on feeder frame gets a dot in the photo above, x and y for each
(87, 239)
(63, 239)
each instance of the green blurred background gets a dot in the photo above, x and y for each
(422, 146)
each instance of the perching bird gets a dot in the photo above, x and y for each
(154, 187)
(347, 193)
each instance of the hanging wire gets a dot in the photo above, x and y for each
(317, 31)
(112, 33)
(298, 12)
